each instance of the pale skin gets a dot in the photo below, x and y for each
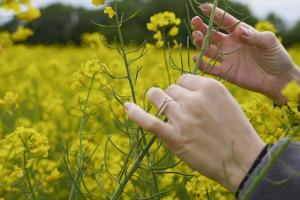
(206, 128)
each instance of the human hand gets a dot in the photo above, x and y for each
(206, 128)
(260, 63)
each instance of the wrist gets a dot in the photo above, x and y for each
(241, 162)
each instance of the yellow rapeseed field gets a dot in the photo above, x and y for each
(41, 87)
(64, 133)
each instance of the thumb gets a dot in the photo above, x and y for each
(255, 38)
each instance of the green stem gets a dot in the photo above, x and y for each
(136, 165)
(27, 173)
(165, 58)
(125, 57)
(207, 37)
(127, 66)
(81, 128)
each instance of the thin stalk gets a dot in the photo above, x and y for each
(125, 56)
(165, 58)
(127, 66)
(207, 37)
(83, 121)
(27, 173)
(137, 163)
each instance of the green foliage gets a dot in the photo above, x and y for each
(62, 24)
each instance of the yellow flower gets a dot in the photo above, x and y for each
(174, 31)
(162, 19)
(149, 46)
(265, 25)
(54, 175)
(176, 45)
(30, 15)
(159, 44)
(158, 36)
(10, 100)
(5, 40)
(110, 11)
(21, 34)
(98, 2)
(161, 22)
(292, 93)
(11, 5)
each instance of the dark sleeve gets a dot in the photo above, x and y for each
(282, 180)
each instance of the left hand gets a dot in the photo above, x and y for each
(259, 61)
(206, 128)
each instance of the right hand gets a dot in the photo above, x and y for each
(199, 130)
(260, 63)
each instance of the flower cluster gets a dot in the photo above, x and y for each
(292, 92)
(10, 102)
(21, 34)
(92, 40)
(22, 151)
(29, 15)
(25, 12)
(98, 2)
(5, 40)
(265, 25)
(163, 24)
(107, 10)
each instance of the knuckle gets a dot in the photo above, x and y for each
(153, 92)
(183, 78)
(270, 34)
(172, 88)
(132, 112)
(219, 15)
(152, 125)
(211, 84)
(190, 103)
(272, 37)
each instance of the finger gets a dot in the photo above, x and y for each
(255, 38)
(190, 81)
(177, 92)
(199, 25)
(149, 122)
(222, 18)
(211, 51)
(211, 68)
(157, 96)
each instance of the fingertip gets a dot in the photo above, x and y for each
(195, 58)
(195, 20)
(151, 91)
(206, 7)
(127, 106)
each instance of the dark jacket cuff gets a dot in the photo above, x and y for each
(282, 180)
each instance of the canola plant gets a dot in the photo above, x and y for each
(63, 130)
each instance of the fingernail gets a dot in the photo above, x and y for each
(197, 34)
(245, 31)
(127, 105)
(195, 58)
(205, 7)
